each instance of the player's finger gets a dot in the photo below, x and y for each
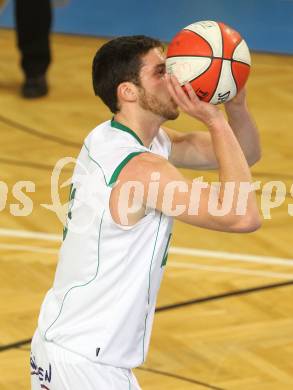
(174, 93)
(191, 93)
(170, 87)
(179, 91)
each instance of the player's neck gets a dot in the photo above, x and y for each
(146, 127)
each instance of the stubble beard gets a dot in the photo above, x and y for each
(151, 103)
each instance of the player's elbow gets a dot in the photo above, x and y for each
(247, 224)
(254, 158)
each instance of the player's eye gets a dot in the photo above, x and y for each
(161, 71)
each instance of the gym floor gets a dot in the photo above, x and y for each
(224, 313)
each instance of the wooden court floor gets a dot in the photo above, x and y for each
(225, 308)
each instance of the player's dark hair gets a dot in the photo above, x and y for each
(117, 61)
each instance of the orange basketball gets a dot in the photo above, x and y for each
(212, 57)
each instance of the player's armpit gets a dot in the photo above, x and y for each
(192, 150)
(151, 182)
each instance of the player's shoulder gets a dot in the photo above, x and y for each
(108, 139)
(99, 132)
(145, 165)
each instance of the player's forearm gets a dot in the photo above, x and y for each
(232, 163)
(245, 130)
(231, 160)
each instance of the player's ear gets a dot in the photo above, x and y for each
(127, 92)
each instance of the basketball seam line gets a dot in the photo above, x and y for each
(218, 81)
(232, 67)
(234, 79)
(219, 75)
(222, 38)
(201, 73)
(212, 58)
(223, 51)
(204, 73)
(186, 29)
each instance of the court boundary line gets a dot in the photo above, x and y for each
(36, 133)
(29, 248)
(20, 343)
(224, 295)
(190, 380)
(184, 251)
(29, 164)
(146, 369)
(15, 344)
(172, 264)
(193, 252)
(224, 269)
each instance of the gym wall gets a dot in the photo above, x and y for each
(267, 25)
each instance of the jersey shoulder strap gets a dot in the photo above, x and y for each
(111, 146)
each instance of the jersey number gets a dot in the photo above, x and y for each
(70, 205)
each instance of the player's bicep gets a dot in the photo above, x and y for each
(143, 184)
(151, 182)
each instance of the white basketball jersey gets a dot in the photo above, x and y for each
(103, 298)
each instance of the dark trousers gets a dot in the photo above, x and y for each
(33, 23)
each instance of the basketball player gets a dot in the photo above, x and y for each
(95, 323)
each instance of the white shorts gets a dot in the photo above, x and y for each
(54, 368)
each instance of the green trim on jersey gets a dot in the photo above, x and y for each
(80, 285)
(72, 192)
(149, 288)
(166, 252)
(120, 167)
(119, 126)
(90, 157)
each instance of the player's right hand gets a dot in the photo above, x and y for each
(191, 104)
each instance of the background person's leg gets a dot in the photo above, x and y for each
(33, 22)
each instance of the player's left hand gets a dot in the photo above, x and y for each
(237, 101)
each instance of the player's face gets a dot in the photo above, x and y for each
(154, 95)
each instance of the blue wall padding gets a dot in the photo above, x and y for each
(267, 25)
